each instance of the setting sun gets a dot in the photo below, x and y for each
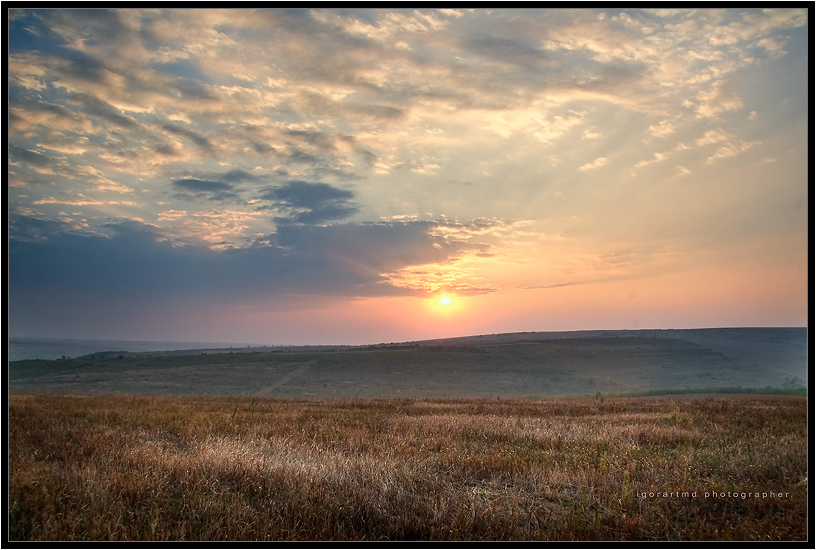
(444, 300)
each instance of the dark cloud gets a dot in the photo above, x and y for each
(190, 188)
(167, 149)
(312, 203)
(85, 67)
(138, 259)
(379, 112)
(100, 282)
(111, 278)
(262, 148)
(507, 50)
(209, 186)
(195, 137)
(323, 214)
(619, 77)
(33, 229)
(317, 154)
(137, 277)
(102, 24)
(309, 195)
(202, 186)
(372, 247)
(103, 110)
(192, 89)
(303, 157)
(14, 119)
(238, 176)
(182, 68)
(29, 157)
(319, 140)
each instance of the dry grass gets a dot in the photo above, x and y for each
(162, 468)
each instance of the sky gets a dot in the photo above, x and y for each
(328, 176)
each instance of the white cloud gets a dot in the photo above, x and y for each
(713, 136)
(717, 100)
(451, 13)
(172, 215)
(732, 149)
(600, 161)
(664, 128)
(425, 168)
(658, 157)
(82, 200)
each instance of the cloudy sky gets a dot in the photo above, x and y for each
(326, 176)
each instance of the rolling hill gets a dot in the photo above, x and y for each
(525, 364)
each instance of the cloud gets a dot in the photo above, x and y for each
(731, 149)
(713, 136)
(29, 225)
(190, 188)
(717, 100)
(658, 157)
(513, 51)
(731, 146)
(210, 186)
(600, 161)
(27, 115)
(172, 215)
(311, 203)
(82, 200)
(78, 146)
(137, 261)
(664, 128)
(236, 176)
(103, 110)
(195, 137)
(201, 186)
(355, 81)
(31, 158)
(26, 72)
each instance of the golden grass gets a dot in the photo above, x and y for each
(186, 468)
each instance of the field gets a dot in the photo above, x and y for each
(508, 365)
(116, 467)
(595, 435)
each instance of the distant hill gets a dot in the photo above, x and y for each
(522, 364)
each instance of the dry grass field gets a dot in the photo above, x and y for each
(126, 467)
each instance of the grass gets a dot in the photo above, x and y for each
(790, 390)
(107, 467)
(625, 366)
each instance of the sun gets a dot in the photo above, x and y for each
(444, 300)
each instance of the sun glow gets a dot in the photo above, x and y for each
(445, 306)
